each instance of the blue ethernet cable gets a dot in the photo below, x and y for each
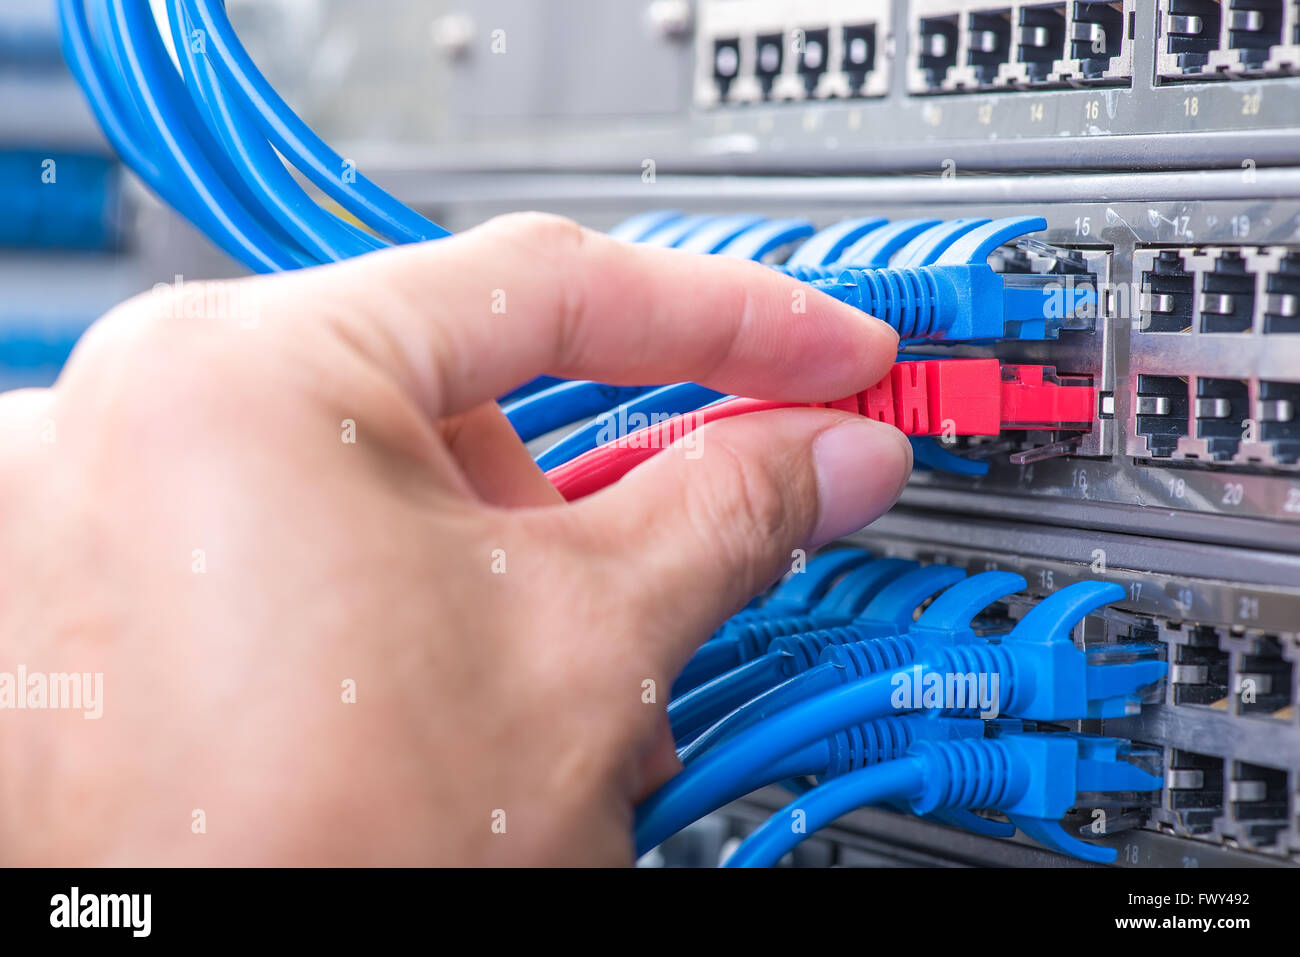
(296, 140)
(638, 227)
(1040, 676)
(668, 400)
(715, 235)
(826, 246)
(318, 231)
(1034, 778)
(154, 87)
(765, 238)
(959, 296)
(119, 118)
(696, 706)
(748, 636)
(542, 412)
(794, 669)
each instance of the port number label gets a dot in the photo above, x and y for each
(986, 114)
(1191, 106)
(1092, 109)
(1247, 607)
(1233, 493)
(1036, 112)
(1250, 103)
(1083, 225)
(1046, 580)
(1178, 488)
(1292, 503)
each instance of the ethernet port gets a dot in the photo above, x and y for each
(812, 57)
(859, 54)
(1228, 296)
(1278, 414)
(1264, 678)
(1195, 783)
(1192, 29)
(1222, 408)
(726, 64)
(938, 52)
(1253, 27)
(1282, 296)
(1097, 36)
(988, 41)
(1259, 801)
(1042, 39)
(1199, 673)
(768, 60)
(1161, 406)
(1167, 290)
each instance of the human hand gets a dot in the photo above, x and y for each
(183, 513)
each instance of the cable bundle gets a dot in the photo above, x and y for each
(208, 138)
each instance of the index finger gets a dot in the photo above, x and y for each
(462, 320)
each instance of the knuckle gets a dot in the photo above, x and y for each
(545, 233)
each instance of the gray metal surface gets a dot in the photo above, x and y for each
(593, 86)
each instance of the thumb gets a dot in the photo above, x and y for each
(704, 526)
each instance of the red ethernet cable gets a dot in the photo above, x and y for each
(938, 397)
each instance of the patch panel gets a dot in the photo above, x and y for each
(965, 47)
(751, 51)
(1228, 39)
(1228, 722)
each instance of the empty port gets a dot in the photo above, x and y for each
(1279, 419)
(813, 57)
(768, 60)
(1161, 406)
(1042, 39)
(859, 54)
(988, 43)
(1228, 296)
(1097, 35)
(1167, 290)
(1222, 406)
(1282, 296)
(1195, 783)
(1253, 27)
(1259, 800)
(726, 63)
(1199, 673)
(1264, 678)
(938, 53)
(1192, 32)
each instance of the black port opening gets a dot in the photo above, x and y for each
(1167, 290)
(1201, 669)
(938, 52)
(859, 53)
(768, 60)
(1259, 801)
(1222, 415)
(813, 57)
(726, 63)
(1228, 296)
(1279, 419)
(1196, 790)
(1282, 296)
(1253, 27)
(1162, 412)
(1042, 38)
(988, 44)
(1098, 35)
(1192, 29)
(1264, 678)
